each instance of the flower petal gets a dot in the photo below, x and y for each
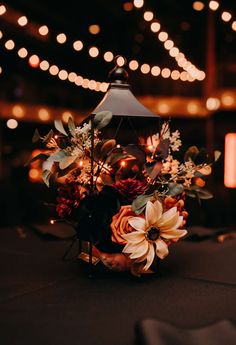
(150, 257)
(150, 213)
(140, 250)
(170, 223)
(158, 209)
(134, 237)
(167, 215)
(173, 233)
(161, 249)
(137, 223)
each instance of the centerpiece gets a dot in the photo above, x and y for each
(123, 190)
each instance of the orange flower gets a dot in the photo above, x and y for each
(120, 225)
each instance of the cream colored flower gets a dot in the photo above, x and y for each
(152, 233)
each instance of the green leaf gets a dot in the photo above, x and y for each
(36, 136)
(102, 119)
(202, 193)
(139, 204)
(217, 155)
(48, 136)
(56, 157)
(64, 172)
(175, 188)
(190, 193)
(153, 169)
(66, 161)
(59, 126)
(46, 174)
(191, 153)
(107, 147)
(42, 156)
(71, 126)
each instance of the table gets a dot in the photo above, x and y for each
(45, 300)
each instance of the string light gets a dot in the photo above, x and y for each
(43, 114)
(138, 3)
(212, 103)
(148, 16)
(22, 21)
(214, 5)
(12, 123)
(108, 56)
(34, 61)
(22, 52)
(18, 111)
(94, 29)
(198, 5)
(226, 16)
(2, 10)
(10, 44)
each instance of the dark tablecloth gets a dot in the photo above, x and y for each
(44, 300)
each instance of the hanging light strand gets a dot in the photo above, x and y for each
(134, 65)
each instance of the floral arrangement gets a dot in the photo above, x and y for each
(129, 201)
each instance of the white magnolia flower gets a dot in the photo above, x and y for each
(151, 233)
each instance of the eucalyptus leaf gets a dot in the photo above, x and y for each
(56, 157)
(153, 169)
(217, 155)
(139, 204)
(175, 188)
(46, 174)
(190, 193)
(66, 161)
(36, 136)
(191, 153)
(102, 119)
(162, 149)
(107, 146)
(42, 156)
(66, 171)
(137, 152)
(202, 192)
(59, 126)
(71, 126)
(48, 136)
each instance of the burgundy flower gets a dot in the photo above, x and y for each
(70, 195)
(129, 189)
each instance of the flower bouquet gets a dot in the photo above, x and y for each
(128, 201)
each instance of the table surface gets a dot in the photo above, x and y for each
(45, 300)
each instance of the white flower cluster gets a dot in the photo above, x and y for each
(174, 137)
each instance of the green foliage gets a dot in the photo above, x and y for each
(102, 119)
(59, 126)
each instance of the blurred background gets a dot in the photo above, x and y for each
(54, 62)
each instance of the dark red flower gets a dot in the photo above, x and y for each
(70, 195)
(129, 189)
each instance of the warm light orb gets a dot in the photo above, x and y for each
(0, 70)
(212, 103)
(53, 70)
(79, 80)
(169, 44)
(22, 21)
(148, 16)
(2, 10)
(52, 221)
(128, 6)
(155, 27)
(1, 34)
(108, 56)
(18, 111)
(44, 65)
(63, 74)
(133, 65)
(66, 115)
(163, 36)
(43, 30)
(92, 84)
(165, 72)
(155, 71)
(43, 114)
(183, 76)
(34, 174)
(103, 87)
(94, 29)
(175, 75)
(10, 44)
(145, 68)
(226, 16)
(85, 83)
(72, 76)
(61, 38)
(34, 61)
(198, 5)
(201, 75)
(174, 52)
(12, 123)
(192, 108)
(227, 100)
(78, 45)
(93, 52)
(22, 52)
(123, 164)
(138, 3)
(214, 5)
(120, 61)
(163, 108)
(234, 25)
(230, 161)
